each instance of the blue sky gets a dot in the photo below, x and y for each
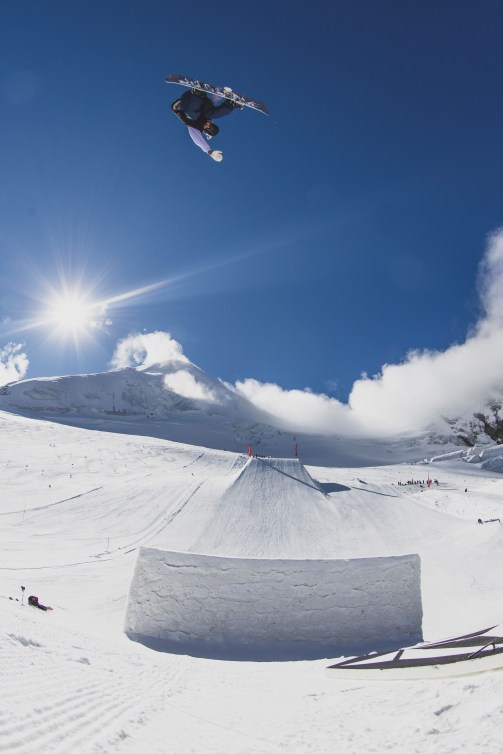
(337, 234)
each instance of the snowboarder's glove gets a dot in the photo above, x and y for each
(216, 155)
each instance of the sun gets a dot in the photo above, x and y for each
(69, 310)
(70, 313)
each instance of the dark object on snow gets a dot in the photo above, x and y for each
(489, 521)
(460, 655)
(33, 601)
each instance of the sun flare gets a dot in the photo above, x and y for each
(71, 314)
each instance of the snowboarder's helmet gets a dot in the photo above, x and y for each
(210, 129)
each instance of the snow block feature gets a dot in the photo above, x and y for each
(219, 606)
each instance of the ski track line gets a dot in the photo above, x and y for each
(48, 567)
(51, 505)
(85, 714)
(73, 497)
(158, 526)
(124, 549)
(173, 515)
(160, 523)
(194, 460)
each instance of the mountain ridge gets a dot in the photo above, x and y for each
(176, 400)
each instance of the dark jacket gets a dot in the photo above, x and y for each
(33, 601)
(196, 109)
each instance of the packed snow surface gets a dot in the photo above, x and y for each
(274, 608)
(75, 507)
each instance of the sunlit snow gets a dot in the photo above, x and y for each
(77, 504)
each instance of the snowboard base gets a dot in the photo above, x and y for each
(222, 91)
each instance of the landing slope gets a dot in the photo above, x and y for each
(272, 508)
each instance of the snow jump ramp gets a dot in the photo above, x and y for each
(217, 604)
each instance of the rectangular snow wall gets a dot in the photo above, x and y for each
(207, 601)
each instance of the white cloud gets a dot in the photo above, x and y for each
(144, 349)
(13, 363)
(299, 409)
(405, 397)
(429, 386)
(491, 284)
(412, 395)
(184, 383)
(101, 320)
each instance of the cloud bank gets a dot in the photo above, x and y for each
(185, 384)
(412, 395)
(13, 363)
(418, 393)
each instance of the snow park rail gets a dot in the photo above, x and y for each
(476, 652)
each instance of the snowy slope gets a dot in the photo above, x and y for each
(71, 691)
(485, 457)
(75, 506)
(175, 400)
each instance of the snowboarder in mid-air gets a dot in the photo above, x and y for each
(197, 110)
(203, 103)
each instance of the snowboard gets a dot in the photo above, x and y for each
(226, 92)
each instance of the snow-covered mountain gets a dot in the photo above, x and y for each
(482, 426)
(156, 390)
(176, 400)
(172, 400)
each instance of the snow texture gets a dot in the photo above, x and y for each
(486, 458)
(75, 506)
(274, 604)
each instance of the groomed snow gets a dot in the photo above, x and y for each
(75, 506)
